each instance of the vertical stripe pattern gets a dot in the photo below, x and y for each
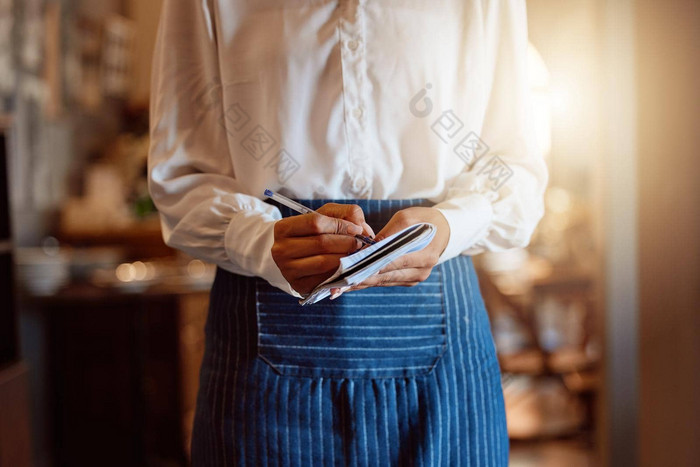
(252, 412)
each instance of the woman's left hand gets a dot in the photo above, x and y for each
(413, 268)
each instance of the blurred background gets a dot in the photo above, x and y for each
(597, 322)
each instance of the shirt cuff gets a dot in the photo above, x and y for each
(249, 239)
(469, 218)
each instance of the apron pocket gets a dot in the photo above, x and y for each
(379, 332)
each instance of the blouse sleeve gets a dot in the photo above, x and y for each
(497, 203)
(202, 203)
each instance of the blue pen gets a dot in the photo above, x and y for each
(300, 208)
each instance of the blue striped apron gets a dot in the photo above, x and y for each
(380, 376)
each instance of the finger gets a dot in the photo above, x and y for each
(415, 260)
(307, 284)
(401, 277)
(340, 291)
(301, 247)
(367, 230)
(314, 224)
(335, 293)
(397, 223)
(388, 284)
(313, 265)
(349, 212)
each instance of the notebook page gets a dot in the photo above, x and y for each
(357, 267)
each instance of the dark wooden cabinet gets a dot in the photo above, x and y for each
(123, 376)
(15, 443)
(9, 351)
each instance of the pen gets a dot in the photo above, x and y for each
(300, 208)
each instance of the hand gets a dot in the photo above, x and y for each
(413, 268)
(308, 247)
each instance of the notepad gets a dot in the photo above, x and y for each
(359, 266)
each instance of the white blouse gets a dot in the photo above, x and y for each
(342, 99)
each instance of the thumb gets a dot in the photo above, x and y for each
(349, 212)
(367, 230)
(393, 226)
(343, 227)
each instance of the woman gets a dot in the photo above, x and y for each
(378, 115)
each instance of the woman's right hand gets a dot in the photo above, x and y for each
(308, 247)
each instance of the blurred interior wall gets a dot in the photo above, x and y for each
(618, 414)
(668, 36)
(568, 36)
(145, 15)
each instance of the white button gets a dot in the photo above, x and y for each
(353, 44)
(357, 113)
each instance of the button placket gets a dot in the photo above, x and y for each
(354, 68)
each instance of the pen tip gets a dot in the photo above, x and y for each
(268, 193)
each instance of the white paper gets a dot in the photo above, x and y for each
(374, 265)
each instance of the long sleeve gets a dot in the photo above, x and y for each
(496, 203)
(205, 207)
